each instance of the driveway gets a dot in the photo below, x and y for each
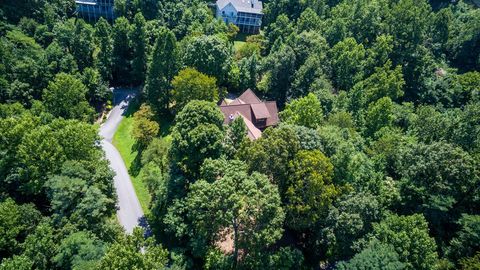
(129, 213)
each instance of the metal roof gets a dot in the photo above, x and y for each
(247, 6)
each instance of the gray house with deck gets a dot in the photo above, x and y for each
(246, 14)
(92, 10)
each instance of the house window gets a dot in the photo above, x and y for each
(261, 122)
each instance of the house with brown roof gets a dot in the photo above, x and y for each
(256, 114)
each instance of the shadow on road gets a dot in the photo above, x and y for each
(143, 222)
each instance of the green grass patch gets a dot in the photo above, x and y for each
(124, 142)
(237, 45)
(240, 39)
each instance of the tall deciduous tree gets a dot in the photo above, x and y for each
(309, 191)
(65, 97)
(238, 211)
(134, 252)
(440, 180)
(306, 111)
(144, 127)
(190, 85)
(197, 135)
(415, 247)
(379, 115)
(347, 63)
(280, 68)
(375, 256)
(209, 55)
(269, 154)
(17, 221)
(467, 240)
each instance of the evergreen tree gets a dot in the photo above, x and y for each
(139, 39)
(103, 38)
(161, 70)
(121, 51)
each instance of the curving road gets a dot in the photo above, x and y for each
(129, 212)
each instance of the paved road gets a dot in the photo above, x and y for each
(129, 211)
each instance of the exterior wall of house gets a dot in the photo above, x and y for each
(247, 22)
(92, 10)
(228, 14)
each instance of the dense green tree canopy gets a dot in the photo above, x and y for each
(373, 165)
(65, 97)
(238, 212)
(190, 85)
(209, 55)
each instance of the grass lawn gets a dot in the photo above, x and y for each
(124, 142)
(239, 41)
(238, 44)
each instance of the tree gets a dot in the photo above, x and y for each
(349, 220)
(190, 85)
(134, 252)
(238, 206)
(17, 221)
(471, 263)
(197, 135)
(306, 76)
(236, 135)
(384, 82)
(144, 127)
(463, 40)
(83, 44)
(440, 180)
(280, 68)
(17, 262)
(306, 111)
(411, 15)
(77, 37)
(40, 246)
(104, 41)
(269, 154)
(416, 249)
(65, 97)
(466, 241)
(163, 66)
(39, 154)
(309, 191)
(379, 115)
(347, 63)
(209, 55)
(139, 39)
(79, 250)
(375, 256)
(282, 27)
(248, 69)
(308, 21)
(97, 89)
(73, 199)
(121, 51)
(59, 59)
